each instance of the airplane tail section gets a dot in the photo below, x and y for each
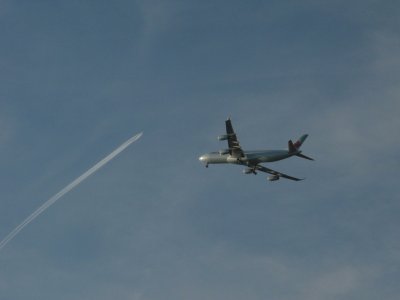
(291, 147)
(303, 156)
(300, 141)
(295, 147)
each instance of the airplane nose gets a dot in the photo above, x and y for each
(202, 158)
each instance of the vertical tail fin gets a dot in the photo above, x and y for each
(291, 147)
(294, 148)
(300, 141)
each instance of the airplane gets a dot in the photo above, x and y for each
(252, 159)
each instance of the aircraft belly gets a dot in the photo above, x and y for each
(217, 159)
(269, 156)
(273, 158)
(221, 160)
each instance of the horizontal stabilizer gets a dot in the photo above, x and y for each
(303, 156)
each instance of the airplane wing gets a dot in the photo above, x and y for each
(234, 147)
(270, 171)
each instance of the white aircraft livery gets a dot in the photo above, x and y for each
(252, 159)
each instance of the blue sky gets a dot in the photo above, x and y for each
(78, 78)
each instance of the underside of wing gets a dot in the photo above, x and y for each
(275, 173)
(234, 147)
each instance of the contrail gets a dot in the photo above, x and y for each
(69, 187)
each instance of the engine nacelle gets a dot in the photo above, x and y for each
(223, 152)
(273, 178)
(223, 137)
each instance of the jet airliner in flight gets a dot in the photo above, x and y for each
(252, 159)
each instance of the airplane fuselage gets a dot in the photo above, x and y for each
(252, 160)
(253, 157)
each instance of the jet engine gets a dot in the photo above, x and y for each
(273, 178)
(249, 171)
(224, 151)
(223, 137)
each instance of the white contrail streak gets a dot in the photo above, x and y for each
(65, 190)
